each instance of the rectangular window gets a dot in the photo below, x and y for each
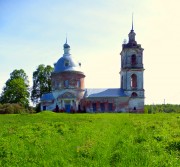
(94, 106)
(110, 106)
(102, 105)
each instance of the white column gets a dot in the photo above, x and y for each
(63, 104)
(71, 103)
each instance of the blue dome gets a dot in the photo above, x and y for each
(67, 63)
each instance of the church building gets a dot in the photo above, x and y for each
(70, 95)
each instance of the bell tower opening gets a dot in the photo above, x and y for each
(133, 81)
(133, 59)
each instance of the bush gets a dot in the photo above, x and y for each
(14, 108)
(38, 107)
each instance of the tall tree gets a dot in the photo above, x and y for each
(41, 82)
(19, 74)
(16, 89)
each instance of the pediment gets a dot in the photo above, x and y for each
(67, 95)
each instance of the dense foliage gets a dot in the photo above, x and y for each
(16, 89)
(162, 108)
(41, 82)
(104, 140)
(15, 108)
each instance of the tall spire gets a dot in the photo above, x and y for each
(66, 38)
(132, 33)
(66, 47)
(132, 22)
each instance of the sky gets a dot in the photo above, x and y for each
(33, 32)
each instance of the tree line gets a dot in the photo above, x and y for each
(17, 92)
(162, 108)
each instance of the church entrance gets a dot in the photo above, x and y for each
(67, 105)
(68, 100)
(68, 108)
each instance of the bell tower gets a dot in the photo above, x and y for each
(131, 73)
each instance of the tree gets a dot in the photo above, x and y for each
(16, 89)
(19, 74)
(41, 82)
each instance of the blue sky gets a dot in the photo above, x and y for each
(33, 32)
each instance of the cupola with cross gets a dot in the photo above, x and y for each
(67, 81)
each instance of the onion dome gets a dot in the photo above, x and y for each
(67, 62)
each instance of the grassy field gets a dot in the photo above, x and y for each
(48, 139)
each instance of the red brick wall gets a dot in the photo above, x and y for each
(58, 79)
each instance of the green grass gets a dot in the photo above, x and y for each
(49, 139)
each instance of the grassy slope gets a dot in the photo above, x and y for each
(50, 139)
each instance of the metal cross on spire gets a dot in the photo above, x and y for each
(66, 38)
(132, 22)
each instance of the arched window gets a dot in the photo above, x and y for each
(78, 84)
(59, 85)
(134, 94)
(66, 63)
(133, 81)
(133, 60)
(66, 83)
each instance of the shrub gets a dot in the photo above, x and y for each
(14, 108)
(38, 107)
